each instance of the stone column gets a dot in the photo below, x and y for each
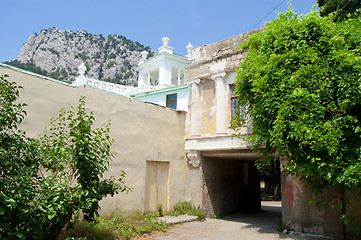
(141, 82)
(179, 73)
(195, 113)
(221, 102)
(148, 79)
(165, 74)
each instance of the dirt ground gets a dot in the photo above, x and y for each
(250, 226)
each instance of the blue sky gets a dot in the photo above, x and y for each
(146, 21)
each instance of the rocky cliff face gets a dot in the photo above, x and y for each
(58, 52)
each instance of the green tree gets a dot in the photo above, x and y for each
(301, 82)
(339, 8)
(45, 182)
(28, 66)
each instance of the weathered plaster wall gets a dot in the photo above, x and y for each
(208, 109)
(211, 63)
(141, 132)
(194, 185)
(216, 57)
(215, 183)
(321, 217)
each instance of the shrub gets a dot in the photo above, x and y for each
(43, 182)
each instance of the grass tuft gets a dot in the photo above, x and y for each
(114, 226)
(119, 226)
(187, 208)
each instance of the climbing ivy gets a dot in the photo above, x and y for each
(301, 81)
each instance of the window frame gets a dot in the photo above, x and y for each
(171, 103)
(234, 102)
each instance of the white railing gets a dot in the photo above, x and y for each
(111, 87)
(126, 91)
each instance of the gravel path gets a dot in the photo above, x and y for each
(257, 226)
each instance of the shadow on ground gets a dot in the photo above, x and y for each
(244, 226)
(266, 221)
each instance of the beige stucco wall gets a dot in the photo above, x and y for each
(141, 131)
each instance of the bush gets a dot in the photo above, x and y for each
(110, 64)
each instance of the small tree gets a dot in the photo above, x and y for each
(19, 164)
(301, 81)
(45, 181)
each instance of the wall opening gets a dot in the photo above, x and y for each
(156, 186)
(270, 177)
(231, 186)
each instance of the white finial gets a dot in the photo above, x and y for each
(144, 55)
(165, 41)
(165, 47)
(189, 47)
(81, 69)
(189, 50)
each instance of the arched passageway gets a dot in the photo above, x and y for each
(233, 185)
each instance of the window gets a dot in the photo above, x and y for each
(234, 102)
(172, 101)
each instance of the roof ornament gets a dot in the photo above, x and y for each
(189, 51)
(165, 41)
(165, 47)
(144, 57)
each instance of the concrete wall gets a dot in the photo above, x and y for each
(141, 132)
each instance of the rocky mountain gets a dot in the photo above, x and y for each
(59, 53)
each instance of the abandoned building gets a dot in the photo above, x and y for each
(221, 175)
(171, 155)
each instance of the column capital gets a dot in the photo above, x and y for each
(218, 75)
(194, 81)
